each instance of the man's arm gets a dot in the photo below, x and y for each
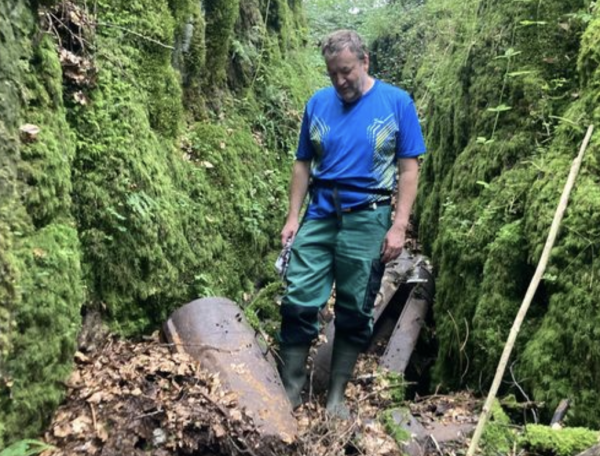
(408, 170)
(298, 189)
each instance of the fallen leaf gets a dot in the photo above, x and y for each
(61, 431)
(81, 424)
(101, 432)
(565, 26)
(81, 358)
(236, 415)
(99, 396)
(75, 18)
(219, 430)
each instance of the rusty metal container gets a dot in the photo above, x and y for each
(215, 332)
(406, 333)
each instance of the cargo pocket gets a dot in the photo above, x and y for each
(375, 276)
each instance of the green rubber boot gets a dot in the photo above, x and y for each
(343, 360)
(293, 371)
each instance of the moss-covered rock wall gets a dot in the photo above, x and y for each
(143, 163)
(506, 91)
(42, 288)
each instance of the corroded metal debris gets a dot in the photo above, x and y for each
(142, 398)
(214, 331)
(443, 422)
(406, 333)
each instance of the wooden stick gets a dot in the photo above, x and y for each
(560, 210)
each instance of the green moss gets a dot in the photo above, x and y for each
(154, 220)
(263, 311)
(544, 440)
(127, 210)
(47, 322)
(41, 289)
(220, 16)
(505, 110)
(588, 62)
(146, 52)
(46, 165)
(280, 20)
(193, 56)
(498, 436)
(11, 212)
(394, 429)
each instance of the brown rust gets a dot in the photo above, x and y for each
(214, 331)
(406, 333)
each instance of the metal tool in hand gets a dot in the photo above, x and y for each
(283, 259)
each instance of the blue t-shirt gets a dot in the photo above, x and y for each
(357, 144)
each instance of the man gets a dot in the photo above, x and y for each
(354, 137)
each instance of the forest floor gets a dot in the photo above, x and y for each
(140, 398)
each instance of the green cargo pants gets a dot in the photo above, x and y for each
(325, 252)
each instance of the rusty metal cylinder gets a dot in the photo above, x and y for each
(214, 331)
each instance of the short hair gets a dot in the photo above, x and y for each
(343, 39)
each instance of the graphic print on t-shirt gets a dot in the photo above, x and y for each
(318, 131)
(382, 136)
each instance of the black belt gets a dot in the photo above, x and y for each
(322, 183)
(361, 207)
(336, 186)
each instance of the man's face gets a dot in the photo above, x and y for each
(348, 74)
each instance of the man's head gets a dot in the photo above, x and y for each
(347, 63)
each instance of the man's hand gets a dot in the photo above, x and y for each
(408, 170)
(393, 244)
(289, 231)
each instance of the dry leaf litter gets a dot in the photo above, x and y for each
(143, 399)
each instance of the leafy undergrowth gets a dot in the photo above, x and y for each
(135, 398)
(141, 398)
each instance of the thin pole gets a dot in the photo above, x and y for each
(560, 210)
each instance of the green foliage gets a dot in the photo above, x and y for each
(544, 440)
(221, 16)
(398, 433)
(114, 203)
(47, 322)
(498, 436)
(26, 448)
(364, 16)
(505, 109)
(263, 311)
